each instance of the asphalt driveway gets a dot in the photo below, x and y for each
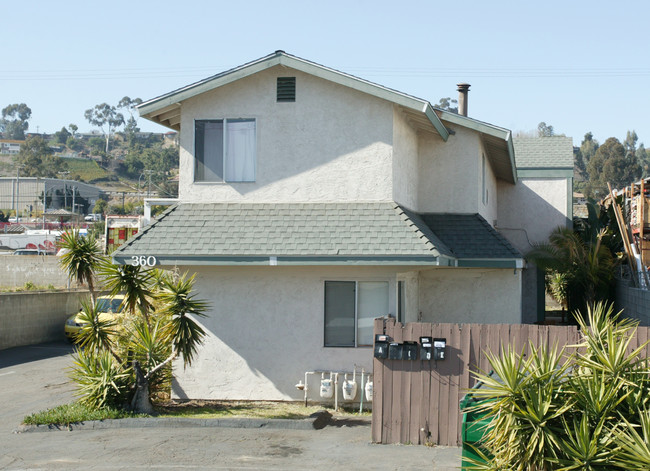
(33, 378)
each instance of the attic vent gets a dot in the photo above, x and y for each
(286, 89)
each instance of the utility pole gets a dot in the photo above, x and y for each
(73, 211)
(149, 172)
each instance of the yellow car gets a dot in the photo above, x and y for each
(107, 306)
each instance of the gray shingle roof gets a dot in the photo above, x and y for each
(470, 236)
(244, 231)
(543, 152)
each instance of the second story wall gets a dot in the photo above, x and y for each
(332, 144)
(405, 162)
(450, 175)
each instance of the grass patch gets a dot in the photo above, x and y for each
(75, 412)
(88, 170)
(246, 409)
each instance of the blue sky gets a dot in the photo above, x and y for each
(579, 66)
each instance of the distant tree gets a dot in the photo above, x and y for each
(36, 159)
(73, 129)
(131, 126)
(447, 103)
(62, 136)
(14, 121)
(630, 144)
(584, 153)
(107, 118)
(101, 205)
(74, 144)
(611, 165)
(544, 130)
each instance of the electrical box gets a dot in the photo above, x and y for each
(381, 346)
(439, 346)
(426, 345)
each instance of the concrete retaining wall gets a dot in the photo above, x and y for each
(42, 270)
(35, 317)
(635, 302)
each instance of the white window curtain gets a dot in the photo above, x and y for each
(240, 150)
(372, 301)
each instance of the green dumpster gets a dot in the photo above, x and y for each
(473, 428)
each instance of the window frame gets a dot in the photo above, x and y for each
(356, 307)
(224, 154)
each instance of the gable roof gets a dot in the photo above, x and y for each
(165, 109)
(554, 152)
(299, 234)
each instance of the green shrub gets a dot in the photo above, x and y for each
(586, 409)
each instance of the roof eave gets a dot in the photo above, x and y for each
(157, 106)
(262, 260)
(490, 130)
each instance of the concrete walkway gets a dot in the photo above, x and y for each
(34, 378)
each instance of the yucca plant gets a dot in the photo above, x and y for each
(101, 381)
(574, 409)
(81, 258)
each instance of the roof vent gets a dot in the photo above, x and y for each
(463, 89)
(286, 89)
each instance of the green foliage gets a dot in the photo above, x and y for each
(36, 158)
(106, 117)
(611, 164)
(76, 412)
(580, 409)
(15, 121)
(545, 130)
(87, 169)
(81, 258)
(185, 333)
(579, 264)
(447, 104)
(101, 381)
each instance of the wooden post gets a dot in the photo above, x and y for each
(624, 235)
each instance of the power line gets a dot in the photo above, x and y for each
(171, 72)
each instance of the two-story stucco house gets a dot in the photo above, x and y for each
(312, 201)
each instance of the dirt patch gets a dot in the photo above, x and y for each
(254, 409)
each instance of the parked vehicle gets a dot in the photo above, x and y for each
(30, 252)
(93, 217)
(107, 306)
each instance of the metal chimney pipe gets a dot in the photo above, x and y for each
(463, 88)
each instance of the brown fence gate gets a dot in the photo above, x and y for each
(417, 401)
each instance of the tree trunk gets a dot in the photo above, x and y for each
(140, 402)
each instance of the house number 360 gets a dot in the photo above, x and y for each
(143, 260)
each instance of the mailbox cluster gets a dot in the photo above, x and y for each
(430, 349)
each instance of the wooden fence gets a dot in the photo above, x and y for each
(417, 402)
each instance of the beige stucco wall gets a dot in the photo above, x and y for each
(35, 317)
(488, 206)
(332, 144)
(448, 173)
(42, 270)
(266, 329)
(405, 161)
(531, 209)
(470, 295)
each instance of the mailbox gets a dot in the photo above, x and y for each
(439, 346)
(426, 344)
(381, 346)
(410, 351)
(395, 351)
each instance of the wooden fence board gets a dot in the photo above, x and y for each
(418, 401)
(377, 393)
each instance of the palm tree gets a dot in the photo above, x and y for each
(82, 257)
(583, 257)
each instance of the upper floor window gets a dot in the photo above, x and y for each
(225, 150)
